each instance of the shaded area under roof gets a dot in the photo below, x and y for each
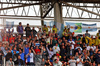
(76, 1)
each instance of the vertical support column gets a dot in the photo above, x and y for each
(41, 12)
(58, 15)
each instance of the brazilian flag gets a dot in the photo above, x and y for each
(78, 28)
(75, 27)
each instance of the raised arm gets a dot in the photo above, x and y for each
(33, 51)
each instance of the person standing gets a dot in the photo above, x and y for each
(87, 34)
(34, 32)
(29, 57)
(10, 62)
(28, 30)
(72, 61)
(20, 61)
(79, 61)
(20, 29)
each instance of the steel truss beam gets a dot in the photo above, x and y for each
(81, 8)
(14, 3)
(87, 6)
(24, 5)
(49, 9)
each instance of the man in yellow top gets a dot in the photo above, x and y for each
(64, 33)
(98, 34)
(97, 41)
(54, 29)
(91, 41)
(45, 28)
(85, 39)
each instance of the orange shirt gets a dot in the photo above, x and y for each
(11, 38)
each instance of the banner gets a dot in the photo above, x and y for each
(60, 28)
(9, 24)
(89, 27)
(49, 23)
(74, 27)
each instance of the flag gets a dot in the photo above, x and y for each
(74, 27)
(60, 28)
(9, 24)
(50, 24)
(89, 27)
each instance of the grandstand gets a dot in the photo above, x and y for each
(23, 32)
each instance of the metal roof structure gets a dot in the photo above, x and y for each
(44, 9)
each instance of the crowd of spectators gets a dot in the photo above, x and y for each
(47, 48)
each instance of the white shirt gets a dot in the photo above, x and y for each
(78, 47)
(57, 64)
(72, 62)
(48, 39)
(80, 63)
(72, 42)
(88, 47)
(31, 57)
(72, 46)
(56, 49)
(93, 48)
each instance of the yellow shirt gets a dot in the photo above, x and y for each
(64, 33)
(91, 41)
(97, 41)
(54, 29)
(86, 39)
(45, 28)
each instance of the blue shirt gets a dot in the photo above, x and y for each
(22, 56)
(12, 51)
(26, 50)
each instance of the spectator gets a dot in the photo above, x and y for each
(9, 55)
(56, 49)
(15, 57)
(19, 61)
(26, 49)
(87, 34)
(91, 41)
(28, 30)
(38, 57)
(70, 51)
(10, 62)
(97, 41)
(57, 63)
(63, 51)
(1, 55)
(98, 34)
(54, 29)
(37, 49)
(34, 32)
(86, 61)
(45, 28)
(22, 55)
(50, 51)
(30, 57)
(20, 29)
(47, 63)
(97, 57)
(5, 38)
(79, 61)
(77, 40)
(72, 61)
(45, 53)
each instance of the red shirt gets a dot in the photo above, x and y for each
(37, 50)
(11, 38)
(5, 38)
